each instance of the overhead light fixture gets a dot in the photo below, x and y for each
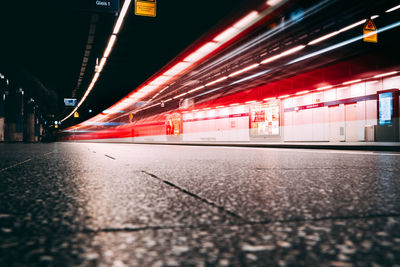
(385, 74)
(286, 53)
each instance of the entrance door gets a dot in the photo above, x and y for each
(334, 123)
(351, 122)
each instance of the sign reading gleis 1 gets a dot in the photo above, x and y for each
(145, 8)
(100, 6)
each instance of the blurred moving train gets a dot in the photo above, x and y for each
(289, 71)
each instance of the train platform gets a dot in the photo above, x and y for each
(92, 204)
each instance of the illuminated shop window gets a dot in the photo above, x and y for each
(265, 119)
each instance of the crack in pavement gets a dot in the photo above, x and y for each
(208, 202)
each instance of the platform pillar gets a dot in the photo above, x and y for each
(14, 119)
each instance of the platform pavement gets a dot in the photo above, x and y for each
(86, 204)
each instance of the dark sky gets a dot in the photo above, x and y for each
(47, 38)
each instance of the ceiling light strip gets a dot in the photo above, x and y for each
(107, 52)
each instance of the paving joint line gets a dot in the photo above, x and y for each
(22, 162)
(15, 165)
(327, 218)
(202, 226)
(109, 157)
(210, 203)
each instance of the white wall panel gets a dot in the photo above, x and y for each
(391, 83)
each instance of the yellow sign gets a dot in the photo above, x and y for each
(145, 8)
(370, 32)
(76, 114)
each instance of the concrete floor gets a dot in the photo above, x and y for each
(85, 204)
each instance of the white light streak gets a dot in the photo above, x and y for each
(322, 38)
(273, 2)
(324, 87)
(101, 65)
(302, 92)
(160, 80)
(350, 82)
(270, 98)
(217, 81)
(175, 97)
(178, 68)
(121, 16)
(227, 34)
(344, 43)
(249, 19)
(393, 9)
(110, 45)
(283, 96)
(196, 89)
(207, 48)
(95, 77)
(385, 74)
(329, 35)
(244, 70)
(286, 53)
